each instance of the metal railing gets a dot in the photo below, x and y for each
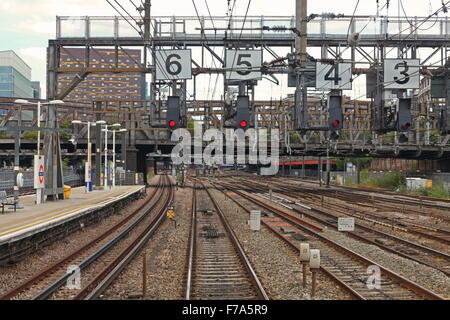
(255, 27)
(70, 178)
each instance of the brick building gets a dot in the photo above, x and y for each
(103, 85)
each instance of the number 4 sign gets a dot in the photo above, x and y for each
(401, 73)
(333, 76)
(173, 64)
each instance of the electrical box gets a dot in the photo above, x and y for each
(314, 259)
(304, 252)
(255, 220)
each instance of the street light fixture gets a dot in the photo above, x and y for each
(16, 157)
(116, 127)
(88, 167)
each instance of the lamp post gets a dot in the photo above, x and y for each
(114, 154)
(88, 174)
(39, 195)
(115, 127)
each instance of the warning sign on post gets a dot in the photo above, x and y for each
(87, 172)
(346, 224)
(39, 172)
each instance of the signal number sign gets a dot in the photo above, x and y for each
(333, 76)
(173, 64)
(243, 64)
(401, 73)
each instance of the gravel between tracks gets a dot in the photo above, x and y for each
(277, 266)
(166, 254)
(427, 277)
(14, 275)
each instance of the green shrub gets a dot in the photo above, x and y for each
(30, 135)
(390, 181)
(294, 136)
(434, 192)
(4, 135)
(66, 124)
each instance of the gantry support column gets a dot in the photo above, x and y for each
(98, 144)
(301, 43)
(54, 184)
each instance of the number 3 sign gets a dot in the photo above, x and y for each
(173, 65)
(401, 73)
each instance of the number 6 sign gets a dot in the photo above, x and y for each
(401, 73)
(173, 64)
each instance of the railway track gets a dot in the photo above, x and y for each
(50, 281)
(389, 201)
(346, 267)
(432, 233)
(218, 267)
(399, 246)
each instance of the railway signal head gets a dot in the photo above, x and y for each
(404, 119)
(335, 116)
(173, 117)
(242, 118)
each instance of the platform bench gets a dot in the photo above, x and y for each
(5, 202)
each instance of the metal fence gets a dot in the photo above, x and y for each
(71, 178)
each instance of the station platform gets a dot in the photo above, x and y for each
(36, 218)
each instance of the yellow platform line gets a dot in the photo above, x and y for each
(56, 210)
(59, 215)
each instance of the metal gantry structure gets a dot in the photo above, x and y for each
(360, 43)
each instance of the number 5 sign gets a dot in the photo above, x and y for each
(243, 64)
(401, 73)
(173, 64)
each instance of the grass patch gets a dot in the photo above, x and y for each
(433, 192)
(390, 181)
(118, 208)
(150, 176)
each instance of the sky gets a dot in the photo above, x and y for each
(26, 25)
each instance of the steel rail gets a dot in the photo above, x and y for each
(55, 285)
(104, 279)
(254, 278)
(349, 197)
(48, 270)
(297, 250)
(408, 284)
(192, 237)
(361, 237)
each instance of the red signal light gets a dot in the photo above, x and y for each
(243, 124)
(172, 123)
(406, 126)
(336, 123)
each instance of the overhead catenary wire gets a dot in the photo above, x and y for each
(161, 67)
(352, 18)
(392, 36)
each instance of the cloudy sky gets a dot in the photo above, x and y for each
(26, 25)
